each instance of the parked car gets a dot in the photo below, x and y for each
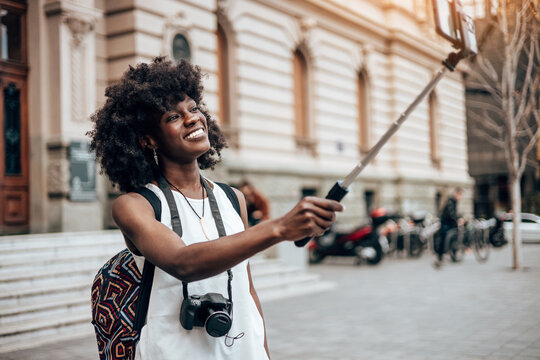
(529, 227)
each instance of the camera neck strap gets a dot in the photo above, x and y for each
(177, 225)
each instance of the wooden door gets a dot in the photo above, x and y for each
(14, 197)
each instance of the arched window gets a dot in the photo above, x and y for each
(433, 129)
(226, 75)
(301, 95)
(363, 111)
(223, 77)
(180, 48)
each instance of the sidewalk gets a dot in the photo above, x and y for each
(400, 309)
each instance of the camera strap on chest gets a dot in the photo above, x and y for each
(177, 225)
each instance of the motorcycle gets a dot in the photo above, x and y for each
(367, 243)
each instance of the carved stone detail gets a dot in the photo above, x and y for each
(229, 9)
(77, 83)
(58, 177)
(79, 27)
(177, 23)
(307, 24)
(57, 170)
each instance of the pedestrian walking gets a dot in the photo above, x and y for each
(154, 127)
(258, 205)
(449, 220)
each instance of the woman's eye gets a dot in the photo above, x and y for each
(195, 109)
(172, 117)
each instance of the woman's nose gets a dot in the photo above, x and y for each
(190, 119)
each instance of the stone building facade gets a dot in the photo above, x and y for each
(487, 162)
(302, 89)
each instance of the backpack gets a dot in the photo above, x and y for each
(120, 294)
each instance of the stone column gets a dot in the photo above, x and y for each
(71, 77)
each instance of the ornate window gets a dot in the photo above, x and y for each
(363, 111)
(226, 75)
(434, 130)
(223, 76)
(12, 130)
(301, 95)
(180, 48)
(11, 35)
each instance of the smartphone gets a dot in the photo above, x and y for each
(445, 22)
(452, 23)
(467, 29)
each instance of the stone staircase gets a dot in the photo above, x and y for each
(45, 284)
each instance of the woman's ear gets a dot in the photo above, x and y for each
(146, 141)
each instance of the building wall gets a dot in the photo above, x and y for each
(398, 67)
(391, 42)
(62, 95)
(487, 162)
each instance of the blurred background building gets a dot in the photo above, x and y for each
(487, 162)
(302, 88)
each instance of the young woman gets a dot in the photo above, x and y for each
(154, 124)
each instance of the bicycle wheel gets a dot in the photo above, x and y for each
(498, 239)
(456, 247)
(315, 257)
(416, 245)
(481, 246)
(370, 251)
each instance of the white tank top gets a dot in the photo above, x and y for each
(163, 337)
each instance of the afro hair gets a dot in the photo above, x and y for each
(132, 110)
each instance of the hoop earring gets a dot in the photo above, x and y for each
(155, 156)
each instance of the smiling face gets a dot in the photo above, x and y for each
(182, 134)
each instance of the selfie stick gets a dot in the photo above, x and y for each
(341, 188)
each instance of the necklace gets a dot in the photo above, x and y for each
(201, 218)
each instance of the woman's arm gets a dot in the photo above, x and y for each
(165, 249)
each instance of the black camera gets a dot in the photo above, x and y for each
(211, 311)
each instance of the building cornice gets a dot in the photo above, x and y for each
(80, 20)
(350, 24)
(62, 7)
(239, 165)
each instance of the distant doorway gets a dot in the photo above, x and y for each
(309, 192)
(369, 196)
(14, 197)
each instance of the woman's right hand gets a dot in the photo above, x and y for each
(312, 216)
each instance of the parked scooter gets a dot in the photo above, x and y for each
(414, 233)
(367, 243)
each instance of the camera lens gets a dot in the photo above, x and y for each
(218, 324)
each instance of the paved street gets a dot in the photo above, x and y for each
(400, 309)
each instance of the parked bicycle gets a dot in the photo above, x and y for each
(474, 235)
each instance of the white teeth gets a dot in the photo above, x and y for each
(195, 134)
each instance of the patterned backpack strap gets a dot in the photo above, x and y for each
(232, 196)
(148, 270)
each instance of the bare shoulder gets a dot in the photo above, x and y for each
(128, 200)
(239, 194)
(243, 207)
(129, 207)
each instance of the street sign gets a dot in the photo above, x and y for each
(82, 166)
